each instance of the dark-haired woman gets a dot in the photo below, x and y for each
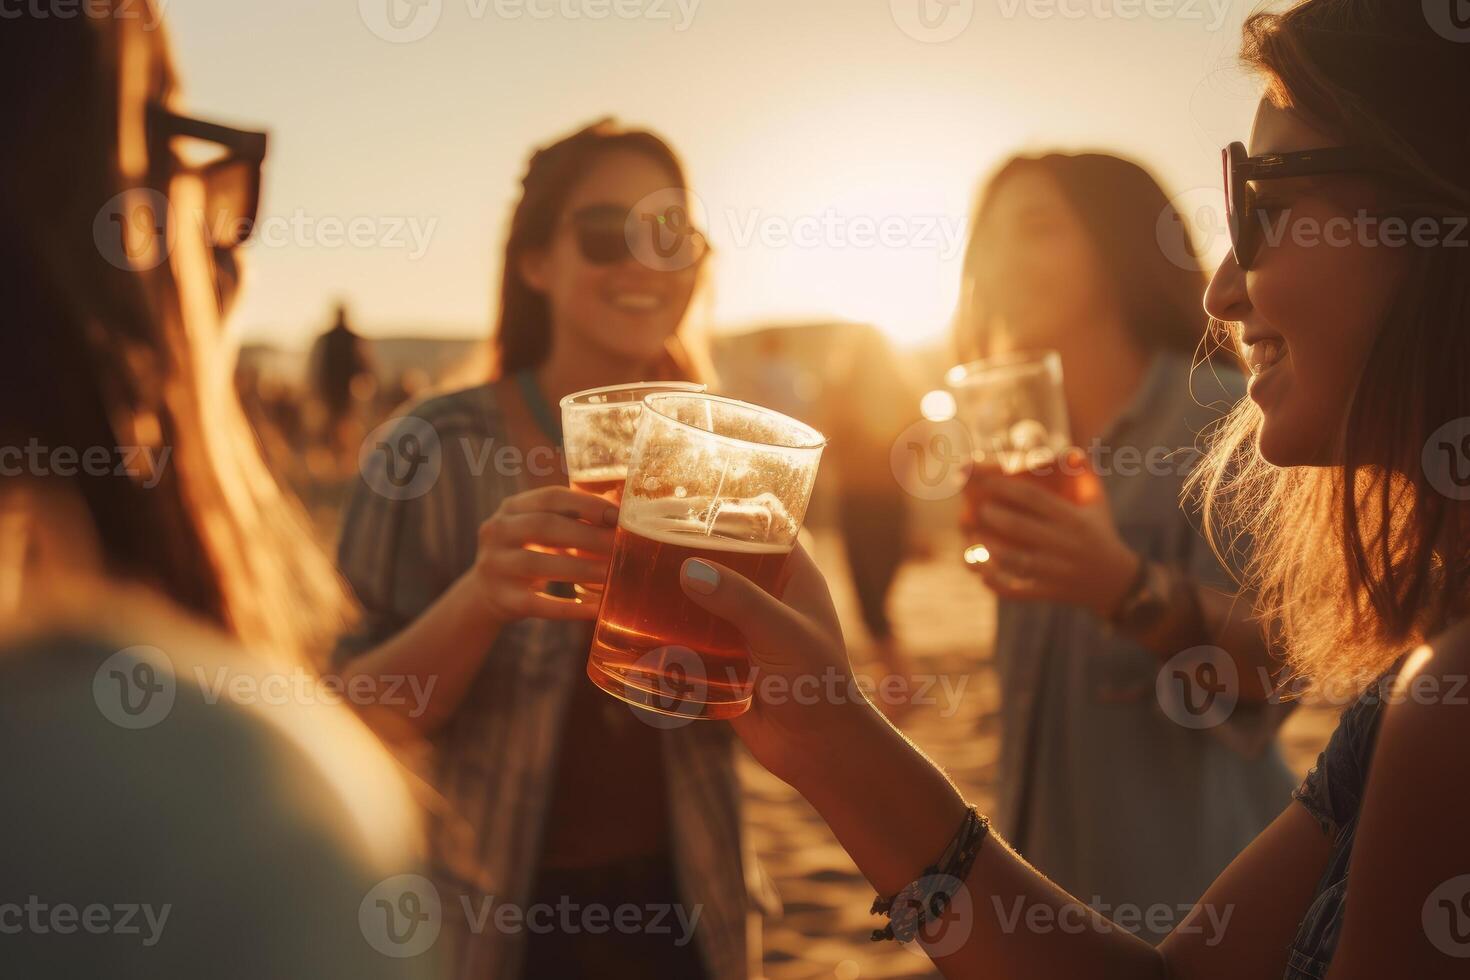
(1347, 467)
(568, 798)
(1124, 799)
(161, 820)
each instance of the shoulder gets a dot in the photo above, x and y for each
(475, 409)
(1410, 850)
(237, 797)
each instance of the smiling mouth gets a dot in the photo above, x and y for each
(1263, 355)
(632, 302)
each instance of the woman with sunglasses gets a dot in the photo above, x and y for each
(160, 820)
(1347, 465)
(568, 797)
(1125, 799)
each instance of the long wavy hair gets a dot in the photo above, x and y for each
(103, 353)
(1141, 241)
(1357, 561)
(522, 336)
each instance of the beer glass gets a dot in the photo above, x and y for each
(597, 428)
(1015, 413)
(709, 477)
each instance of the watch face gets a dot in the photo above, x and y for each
(1145, 606)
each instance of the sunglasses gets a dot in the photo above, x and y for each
(231, 181)
(1247, 225)
(607, 234)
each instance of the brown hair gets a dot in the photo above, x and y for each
(1359, 560)
(1126, 215)
(522, 337)
(102, 353)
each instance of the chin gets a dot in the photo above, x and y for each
(1282, 444)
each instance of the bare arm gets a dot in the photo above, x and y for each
(521, 549)
(894, 812)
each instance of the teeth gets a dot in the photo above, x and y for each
(636, 301)
(1263, 354)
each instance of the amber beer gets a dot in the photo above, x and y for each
(598, 426)
(1015, 414)
(712, 478)
(656, 647)
(1065, 474)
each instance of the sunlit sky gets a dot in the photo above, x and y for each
(807, 126)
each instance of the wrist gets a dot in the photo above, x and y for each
(831, 743)
(1123, 576)
(473, 601)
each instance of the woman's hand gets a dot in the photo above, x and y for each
(804, 693)
(1043, 546)
(528, 543)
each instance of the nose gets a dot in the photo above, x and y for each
(1226, 299)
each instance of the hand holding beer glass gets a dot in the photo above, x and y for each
(1015, 413)
(714, 478)
(598, 426)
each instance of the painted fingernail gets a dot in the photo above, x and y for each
(610, 517)
(701, 576)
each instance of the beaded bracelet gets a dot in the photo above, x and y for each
(926, 899)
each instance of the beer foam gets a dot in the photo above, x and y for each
(686, 523)
(600, 474)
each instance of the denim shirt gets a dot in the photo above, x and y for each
(1333, 794)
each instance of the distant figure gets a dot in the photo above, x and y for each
(339, 372)
(872, 513)
(337, 360)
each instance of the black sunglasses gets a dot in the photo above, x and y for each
(607, 234)
(231, 182)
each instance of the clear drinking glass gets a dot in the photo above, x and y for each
(714, 478)
(1015, 412)
(597, 427)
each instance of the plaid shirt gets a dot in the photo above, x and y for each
(408, 533)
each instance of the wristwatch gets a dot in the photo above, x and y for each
(1144, 604)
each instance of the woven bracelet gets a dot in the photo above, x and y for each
(926, 899)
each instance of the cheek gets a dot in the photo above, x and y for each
(1329, 302)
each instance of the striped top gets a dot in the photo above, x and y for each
(409, 532)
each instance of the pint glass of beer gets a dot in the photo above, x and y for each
(1015, 413)
(597, 428)
(712, 478)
